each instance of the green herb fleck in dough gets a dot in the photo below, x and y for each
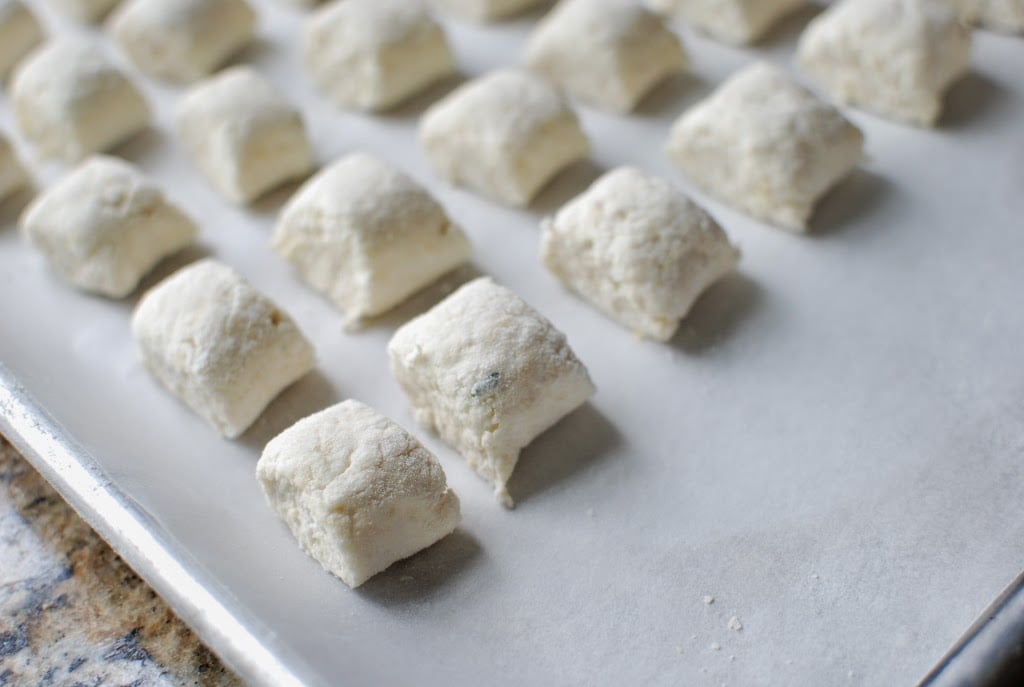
(486, 386)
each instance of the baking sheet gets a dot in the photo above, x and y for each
(831, 447)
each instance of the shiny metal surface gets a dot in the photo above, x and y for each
(990, 651)
(140, 541)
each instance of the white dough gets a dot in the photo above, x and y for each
(488, 10)
(219, 345)
(893, 57)
(505, 135)
(12, 173)
(356, 490)
(373, 54)
(366, 235)
(182, 40)
(739, 22)
(488, 373)
(767, 145)
(242, 134)
(638, 249)
(104, 226)
(19, 33)
(1002, 15)
(608, 53)
(70, 101)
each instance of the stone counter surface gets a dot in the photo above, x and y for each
(72, 613)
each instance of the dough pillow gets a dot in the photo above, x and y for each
(896, 58)
(638, 249)
(242, 134)
(373, 54)
(767, 145)
(182, 40)
(104, 226)
(218, 344)
(70, 101)
(356, 490)
(608, 53)
(488, 373)
(367, 235)
(505, 135)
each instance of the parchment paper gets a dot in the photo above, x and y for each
(831, 447)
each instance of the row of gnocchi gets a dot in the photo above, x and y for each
(482, 369)
(762, 142)
(606, 52)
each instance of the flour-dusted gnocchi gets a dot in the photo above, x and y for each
(638, 249)
(896, 58)
(488, 10)
(488, 373)
(104, 226)
(767, 145)
(373, 54)
(356, 490)
(70, 101)
(12, 173)
(739, 22)
(505, 134)
(19, 33)
(368, 236)
(218, 344)
(608, 53)
(242, 134)
(182, 40)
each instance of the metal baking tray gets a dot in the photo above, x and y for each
(830, 448)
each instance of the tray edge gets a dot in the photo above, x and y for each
(76, 476)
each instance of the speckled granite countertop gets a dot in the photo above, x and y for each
(72, 613)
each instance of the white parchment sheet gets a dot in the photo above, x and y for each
(831, 447)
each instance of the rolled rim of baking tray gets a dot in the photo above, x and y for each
(246, 647)
(988, 647)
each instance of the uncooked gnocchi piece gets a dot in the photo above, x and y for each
(505, 135)
(182, 40)
(488, 373)
(104, 226)
(767, 145)
(219, 345)
(739, 22)
(356, 490)
(373, 54)
(638, 249)
(70, 101)
(608, 53)
(19, 33)
(366, 235)
(242, 134)
(896, 58)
